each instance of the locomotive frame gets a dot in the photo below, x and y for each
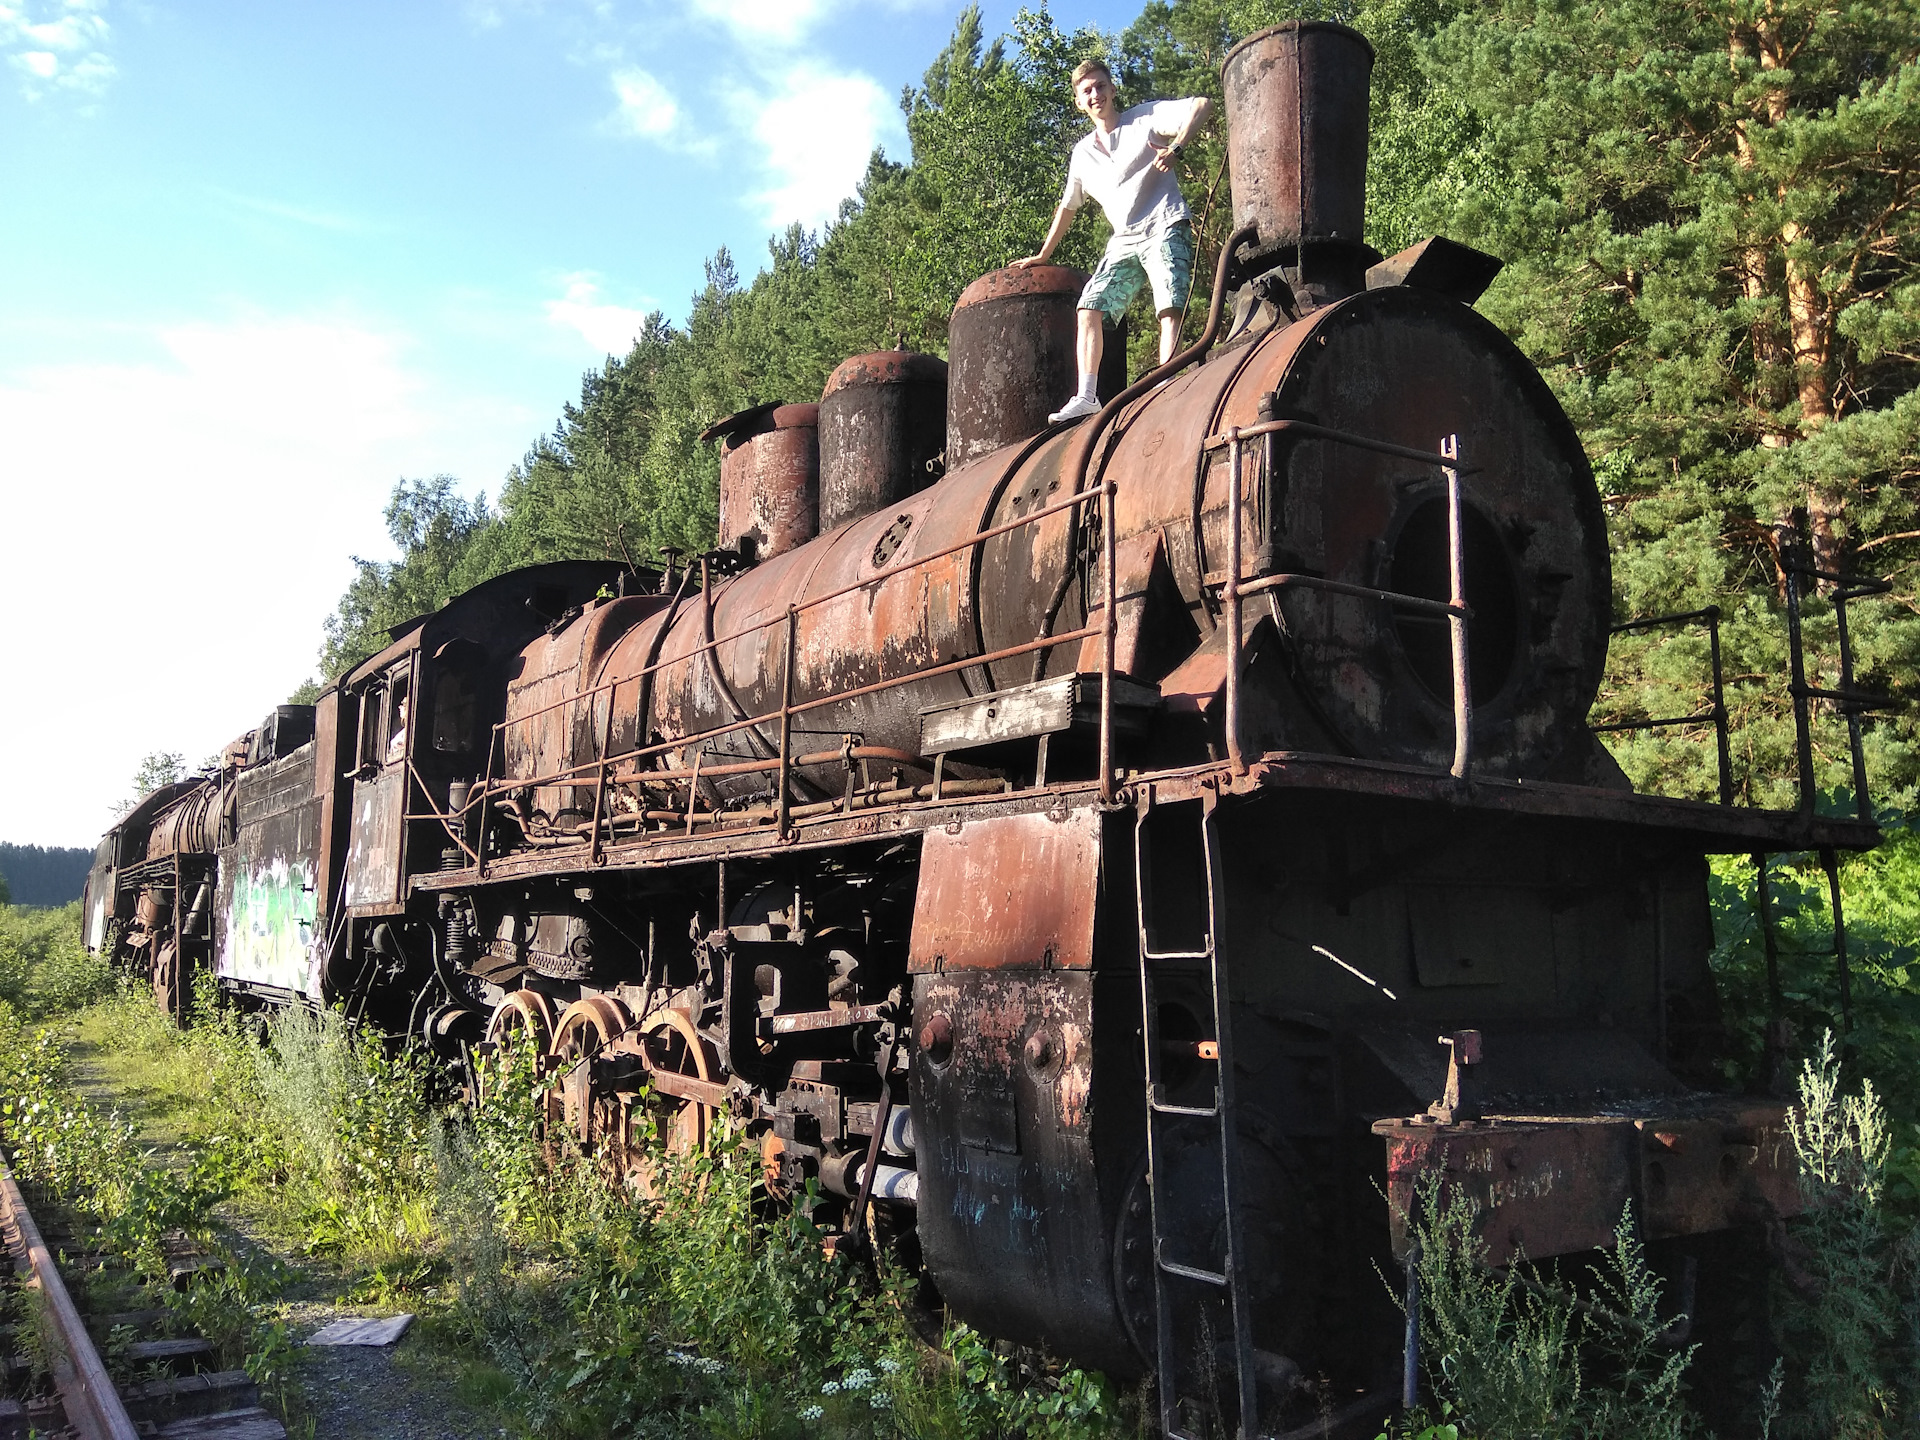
(1066, 865)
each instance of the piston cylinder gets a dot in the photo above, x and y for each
(1296, 97)
(883, 424)
(769, 479)
(1011, 343)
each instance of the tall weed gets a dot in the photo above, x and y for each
(353, 1129)
(1851, 1319)
(1517, 1356)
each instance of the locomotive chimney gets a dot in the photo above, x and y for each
(769, 478)
(1297, 133)
(1010, 344)
(883, 421)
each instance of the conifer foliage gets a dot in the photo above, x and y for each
(1712, 253)
(1708, 216)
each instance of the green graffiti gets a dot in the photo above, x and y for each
(270, 926)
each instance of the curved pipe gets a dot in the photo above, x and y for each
(1082, 457)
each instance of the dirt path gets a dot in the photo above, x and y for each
(405, 1391)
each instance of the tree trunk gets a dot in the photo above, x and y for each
(1809, 339)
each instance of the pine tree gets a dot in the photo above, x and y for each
(1708, 216)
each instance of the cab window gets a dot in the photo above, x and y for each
(399, 691)
(453, 710)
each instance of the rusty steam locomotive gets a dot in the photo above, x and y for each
(1061, 846)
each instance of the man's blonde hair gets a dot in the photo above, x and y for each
(1095, 66)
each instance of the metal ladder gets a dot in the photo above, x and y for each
(1170, 1275)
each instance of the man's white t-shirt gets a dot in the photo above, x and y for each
(1115, 167)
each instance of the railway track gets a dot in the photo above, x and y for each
(158, 1385)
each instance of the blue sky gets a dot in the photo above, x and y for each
(258, 261)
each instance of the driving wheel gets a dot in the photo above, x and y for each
(672, 1048)
(584, 1107)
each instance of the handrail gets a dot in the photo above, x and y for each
(1457, 611)
(1343, 437)
(575, 774)
(1850, 702)
(1716, 712)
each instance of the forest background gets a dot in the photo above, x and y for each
(1712, 253)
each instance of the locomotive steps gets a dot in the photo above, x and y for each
(177, 1395)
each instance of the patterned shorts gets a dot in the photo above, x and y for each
(1166, 263)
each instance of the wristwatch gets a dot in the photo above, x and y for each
(1176, 149)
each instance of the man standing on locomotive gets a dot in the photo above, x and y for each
(1126, 163)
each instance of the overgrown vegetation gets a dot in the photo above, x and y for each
(44, 969)
(572, 1308)
(1593, 1350)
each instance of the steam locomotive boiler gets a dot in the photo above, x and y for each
(1060, 848)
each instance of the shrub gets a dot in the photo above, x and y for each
(1852, 1320)
(1515, 1355)
(44, 968)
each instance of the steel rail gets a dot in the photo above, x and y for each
(92, 1405)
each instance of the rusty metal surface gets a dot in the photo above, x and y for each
(1717, 829)
(1019, 890)
(1012, 1216)
(1542, 579)
(1708, 1173)
(373, 877)
(1010, 346)
(1538, 570)
(883, 420)
(1296, 99)
(1556, 1186)
(186, 827)
(770, 481)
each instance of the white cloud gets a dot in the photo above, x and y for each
(192, 521)
(609, 329)
(760, 21)
(57, 44)
(645, 107)
(815, 136)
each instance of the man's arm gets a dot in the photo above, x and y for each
(1062, 222)
(1165, 156)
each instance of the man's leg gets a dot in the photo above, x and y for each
(1169, 334)
(1169, 268)
(1088, 344)
(1110, 290)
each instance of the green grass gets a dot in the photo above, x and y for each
(560, 1306)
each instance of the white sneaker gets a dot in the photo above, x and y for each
(1075, 409)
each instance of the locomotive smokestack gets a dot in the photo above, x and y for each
(883, 421)
(1297, 136)
(769, 478)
